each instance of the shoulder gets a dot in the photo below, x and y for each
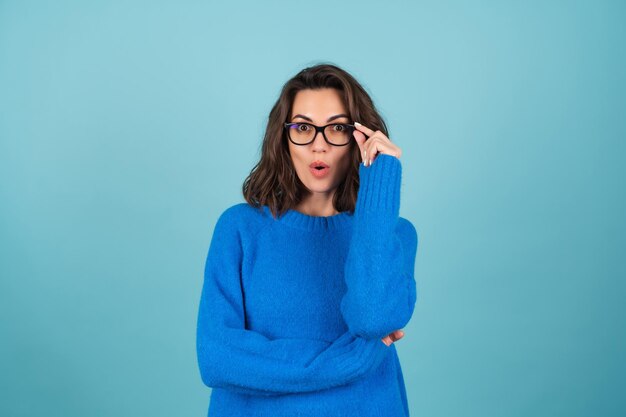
(238, 211)
(241, 217)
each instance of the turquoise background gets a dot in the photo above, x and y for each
(127, 128)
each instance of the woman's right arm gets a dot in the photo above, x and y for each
(233, 357)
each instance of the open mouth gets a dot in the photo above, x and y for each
(319, 171)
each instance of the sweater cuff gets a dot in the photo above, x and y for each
(379, 188)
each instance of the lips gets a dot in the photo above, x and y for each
(319, 169)
(317, 164)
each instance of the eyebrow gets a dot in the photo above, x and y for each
(337, 116)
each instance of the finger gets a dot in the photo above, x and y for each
(373, 147)
(387, 340)
(369, 153)
(395, 335)
(366, 146)
(365, 129)
(399, 334)
(360, 140)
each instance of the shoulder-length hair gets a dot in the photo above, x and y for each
(273, 180)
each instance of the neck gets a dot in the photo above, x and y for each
(317, 206)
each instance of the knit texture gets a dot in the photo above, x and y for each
(293, 309)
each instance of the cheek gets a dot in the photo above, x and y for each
(298, 160)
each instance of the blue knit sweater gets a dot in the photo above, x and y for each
(293, 309)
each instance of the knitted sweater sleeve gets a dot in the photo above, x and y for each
(233, 357)
(379, 270)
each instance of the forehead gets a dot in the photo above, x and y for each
(318, 104)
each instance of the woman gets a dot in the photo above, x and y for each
(308, 282)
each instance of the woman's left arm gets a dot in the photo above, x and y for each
(379, 269)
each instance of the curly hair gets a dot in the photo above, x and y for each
(273, 180)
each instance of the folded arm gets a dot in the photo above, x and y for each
(233, 357)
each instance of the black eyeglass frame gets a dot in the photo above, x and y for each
(351, 128)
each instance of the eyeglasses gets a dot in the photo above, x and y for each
(336, 134)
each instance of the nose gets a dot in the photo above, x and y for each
(319, 142)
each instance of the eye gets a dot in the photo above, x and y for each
(303, 127)
(339, 128)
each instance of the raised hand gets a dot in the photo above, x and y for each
(375, 143)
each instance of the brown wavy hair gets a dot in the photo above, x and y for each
(273, 180)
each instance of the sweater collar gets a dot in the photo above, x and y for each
(307, 222)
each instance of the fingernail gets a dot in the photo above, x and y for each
(357, 123)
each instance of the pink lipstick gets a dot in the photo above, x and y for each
(319, 169)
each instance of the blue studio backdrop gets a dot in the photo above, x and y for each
(127, 127)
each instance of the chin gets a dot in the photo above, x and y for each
(318, 189)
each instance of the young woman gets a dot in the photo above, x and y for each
(308, 283)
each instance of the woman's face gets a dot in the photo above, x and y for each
(320, 107)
